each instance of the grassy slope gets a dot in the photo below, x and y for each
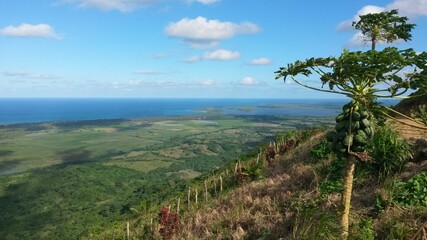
(293, 202)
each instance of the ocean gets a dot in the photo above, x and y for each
(26, 110)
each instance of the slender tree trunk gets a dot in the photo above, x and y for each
(346, 196)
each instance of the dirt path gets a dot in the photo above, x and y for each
(407, 131)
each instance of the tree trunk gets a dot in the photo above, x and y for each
(346, 196)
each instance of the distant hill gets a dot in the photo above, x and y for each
(407, 106)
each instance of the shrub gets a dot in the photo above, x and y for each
(389, 152)
(412, 192)
(170, 223)
(321, 150)
(364, 230)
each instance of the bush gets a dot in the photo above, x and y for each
(321, 150)
(389, 152)
(412, 192)
(170, 223)
(364, 230)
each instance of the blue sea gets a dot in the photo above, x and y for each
(26, 110)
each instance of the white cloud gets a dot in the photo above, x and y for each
(248, 81)
(208, 82)
(218, 55)
(347, 24)
(193, 59)
(260, 61)
(206, 2)
(29, 75)
(201, 32)
(221, 55)
(411, 8)
(147, 72)
(29, 30)
(120, 5)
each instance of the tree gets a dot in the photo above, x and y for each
(384, 26)
(364, 77)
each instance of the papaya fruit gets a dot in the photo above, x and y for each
(362, 134)
(340, 118)
(368, 131)
(363, 113)
(340, 126)
(355, 125)
(365, 123)
(348, 140)
(356, 116)
(359, 139)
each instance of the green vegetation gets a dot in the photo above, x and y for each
(389, 152)
(412, 192)
(74, 179)
(421, 114)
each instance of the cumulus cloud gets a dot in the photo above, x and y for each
(106, 5)
(412, 8)
(30, 30)
(260, 61)
(206, 2)
(347, 24)
(201, 32)
(248, 81)
(221, 55)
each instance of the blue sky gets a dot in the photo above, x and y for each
(176, 48)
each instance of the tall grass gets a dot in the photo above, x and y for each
(389, 152)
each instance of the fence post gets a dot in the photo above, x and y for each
(220, 180)
(196, 196)
(206, 191)
(188, 196)
(177, 207)
(127, 230)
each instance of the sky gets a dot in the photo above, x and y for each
(177, 48)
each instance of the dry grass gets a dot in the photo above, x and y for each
(261, 208)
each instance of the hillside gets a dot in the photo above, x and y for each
(299, 198)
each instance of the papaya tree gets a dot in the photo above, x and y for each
(364, 77)
(385, 26)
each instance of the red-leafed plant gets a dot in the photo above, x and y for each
(170, 223)
(286, 146)
(270, 154)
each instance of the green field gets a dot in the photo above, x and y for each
(67, 180)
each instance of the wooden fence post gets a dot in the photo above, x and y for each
(188, 196)
(220, 180)
(177, 207)
(127, 230)
(206, 191)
